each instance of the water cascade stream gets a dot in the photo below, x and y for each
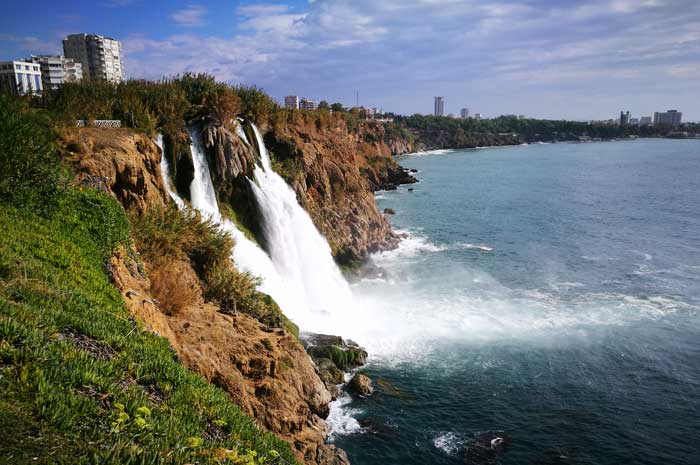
(299, 273)
(164, 170)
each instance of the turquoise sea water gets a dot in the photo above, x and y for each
(547, 294)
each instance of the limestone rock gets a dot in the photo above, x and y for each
(361, 385)
(122, 162)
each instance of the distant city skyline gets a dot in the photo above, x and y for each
(580, 60)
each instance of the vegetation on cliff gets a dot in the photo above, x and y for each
(80, 380)
(440, 132)
(167, 234)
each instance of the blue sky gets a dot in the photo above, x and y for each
(583, 59)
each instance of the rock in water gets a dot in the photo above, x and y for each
(389, 211)
(344, 354)
(361, 385)
(485, 448)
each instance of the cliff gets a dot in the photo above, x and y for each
(120, 161)
(333, 168)
(264, 369)
(413, 139)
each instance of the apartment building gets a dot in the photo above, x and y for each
(99, 56)
(20, 77)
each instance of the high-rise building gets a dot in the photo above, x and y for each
(670, 117)
(55, 70)
(439, 106)
(477, 115)
(20, 77)
(645, 121)
(99, 56)
(464, 113)
(624, 118)
(307, 104)
(291, 102)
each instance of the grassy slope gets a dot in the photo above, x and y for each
(79, 381)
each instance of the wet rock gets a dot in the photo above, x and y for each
(361, 385)
(486, 448)
(329, 371)
(344, 354)
(389, 211)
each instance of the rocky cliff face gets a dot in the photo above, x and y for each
(265, 370)
(120, 161)
(332, 168)
(334, 172)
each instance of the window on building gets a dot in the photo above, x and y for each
(20, 82)
(37, 83)
(18, 66)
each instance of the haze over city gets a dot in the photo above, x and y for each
(565, 59)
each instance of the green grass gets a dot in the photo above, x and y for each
(80, 381)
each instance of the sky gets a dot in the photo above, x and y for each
(572, 59)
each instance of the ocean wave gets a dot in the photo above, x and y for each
(449, 442)
(466, 245)
(429, 152)
(341, 419)
(411, 244)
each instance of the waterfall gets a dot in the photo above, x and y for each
(246, 254)
(298, 251)
(299, 273)
(164, 170)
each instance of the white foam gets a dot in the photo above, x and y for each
(466, 245)
(341, 420)
(411, 244)
(449, 442)
(429, 152)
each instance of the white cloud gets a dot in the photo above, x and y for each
(191, 16)
(407, 47)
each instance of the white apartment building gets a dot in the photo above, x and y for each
(20, 77)
(99, 56)
(439, 106)
(291, 102)
(308, 104)
(55, 70)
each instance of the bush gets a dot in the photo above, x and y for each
(29, 165)
(256, 105)
(166, 235)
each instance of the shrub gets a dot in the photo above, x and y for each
(166, 235)
(29, 165)
(256, 105)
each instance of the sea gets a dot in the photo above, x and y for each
(543, 307)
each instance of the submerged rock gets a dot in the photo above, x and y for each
(361, 385)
